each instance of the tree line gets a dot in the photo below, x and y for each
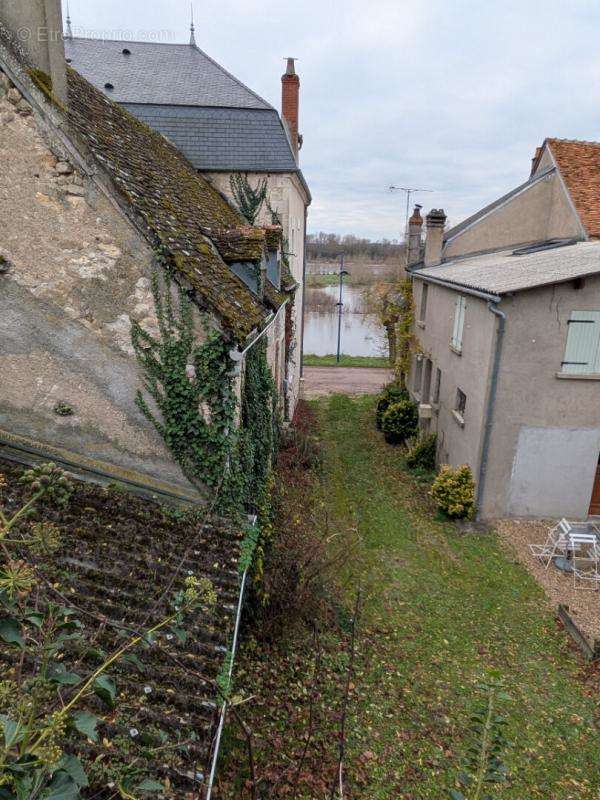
(328, 246)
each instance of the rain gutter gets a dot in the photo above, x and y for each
(237, 355)
(234, 645)
(457, 287)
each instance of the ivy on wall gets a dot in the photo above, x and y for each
(190, 399)
(406, 341)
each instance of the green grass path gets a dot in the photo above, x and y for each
(346, 361)
(440, 608)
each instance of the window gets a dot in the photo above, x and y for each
(427, 381)
(436, 386)
(459, 323)
(461, 403)
(423, 311)
(582, 353)
(418, 374)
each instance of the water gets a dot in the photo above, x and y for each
(362, 335)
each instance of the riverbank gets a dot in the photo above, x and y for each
(441, 609)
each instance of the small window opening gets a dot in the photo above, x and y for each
(126, 51)
(109, 86)
(461, 402)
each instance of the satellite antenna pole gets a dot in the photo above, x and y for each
(409, 191)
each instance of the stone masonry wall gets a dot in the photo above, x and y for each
(73, 272)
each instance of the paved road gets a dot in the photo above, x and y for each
(322, 381)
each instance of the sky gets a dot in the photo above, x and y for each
(451, 96)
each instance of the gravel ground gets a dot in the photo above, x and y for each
(323, 381)
(584, 605)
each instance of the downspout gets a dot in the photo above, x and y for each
(234, 644)
(491, 403)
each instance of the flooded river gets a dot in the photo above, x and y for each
(362, 335)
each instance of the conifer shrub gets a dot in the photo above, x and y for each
(392, 393)
(400, 421)
(421, 454)
(454, 492)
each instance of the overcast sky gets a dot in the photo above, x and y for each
(449, 95)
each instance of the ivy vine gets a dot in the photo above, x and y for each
(191, 387)
(190, 399)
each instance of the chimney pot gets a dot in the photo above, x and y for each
(415, 223)
(290, 104)
(434, 242)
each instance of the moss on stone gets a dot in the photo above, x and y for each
(182, 212)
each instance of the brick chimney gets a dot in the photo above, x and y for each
(434, 241)
(290, 104)
(38, 26)
(415, 225)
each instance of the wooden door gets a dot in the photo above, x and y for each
(595, 503)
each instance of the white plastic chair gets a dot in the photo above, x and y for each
(586, 560)
(557, 543)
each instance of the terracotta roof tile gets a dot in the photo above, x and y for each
(579, 165)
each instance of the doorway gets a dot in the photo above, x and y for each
(595, 502)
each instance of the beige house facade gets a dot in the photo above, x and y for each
(507, 309)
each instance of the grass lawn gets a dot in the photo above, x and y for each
(317, 281)
(346, 361)
(440, 609)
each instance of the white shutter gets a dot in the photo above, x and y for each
(459, 322)
(582, 353)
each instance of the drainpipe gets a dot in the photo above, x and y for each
(489, 414)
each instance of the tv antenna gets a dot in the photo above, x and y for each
(409, 193)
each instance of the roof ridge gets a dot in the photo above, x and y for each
(127, 41)
(572, 141)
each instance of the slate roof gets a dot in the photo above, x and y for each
(579, 165)
(161, 74)
(117, 558)
(216, 121)
(171, 200)
(223, 139)
(502, 272)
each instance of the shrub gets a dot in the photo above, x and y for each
(422, 453)
(454, 492)
(392, 393)
(400, 421)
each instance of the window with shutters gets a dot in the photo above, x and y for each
(582, 353)
(459, 323)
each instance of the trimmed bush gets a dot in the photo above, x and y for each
(421, 454)
(392, 393)
(400, 421)
(454, 492)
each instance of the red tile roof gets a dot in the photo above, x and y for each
(579, 165)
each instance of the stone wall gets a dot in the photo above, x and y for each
(74, 272)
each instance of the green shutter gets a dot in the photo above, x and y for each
(582, 353)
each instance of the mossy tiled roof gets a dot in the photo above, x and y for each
(174, 203)
(117, 559)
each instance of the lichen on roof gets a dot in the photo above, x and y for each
(174, 203)
(117, 558)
